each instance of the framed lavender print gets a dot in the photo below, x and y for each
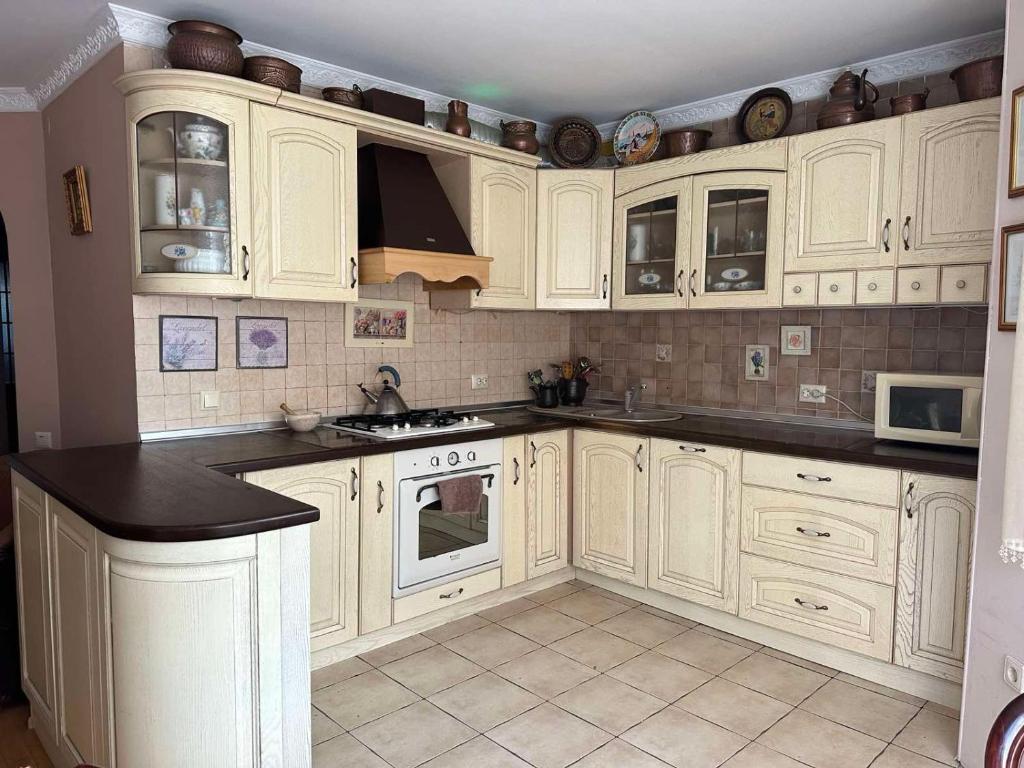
(262, 342)
(372, 323)
(188, 343)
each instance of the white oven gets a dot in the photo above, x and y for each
(432, 547)
(928, 408)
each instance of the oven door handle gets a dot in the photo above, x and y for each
(489, 477)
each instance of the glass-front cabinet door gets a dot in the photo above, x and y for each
(190, 224)
(651, 244)
(736, 250)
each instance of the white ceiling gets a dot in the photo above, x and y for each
(544, 58)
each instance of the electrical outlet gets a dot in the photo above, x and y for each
(210, 399)
(867, 381)
(478, 381)
(44, 439)
(812, 393)
(1013, 674)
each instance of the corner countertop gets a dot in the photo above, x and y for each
(184, 489)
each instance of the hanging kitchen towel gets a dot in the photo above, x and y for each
(461, 495)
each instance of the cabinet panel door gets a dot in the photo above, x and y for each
(843, 197)
(376, 542)
(694, 522)
(513, 511)
(503, 211)
(331, 487)
(574, 239)
(304, 206)
(547, 503)
(32, 547)
(934, 574)
(610, 505)
(950, 165)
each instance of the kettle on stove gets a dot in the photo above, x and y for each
(387, 402)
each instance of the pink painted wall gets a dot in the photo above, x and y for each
(23, 205)
(997, 599)
(92, 294)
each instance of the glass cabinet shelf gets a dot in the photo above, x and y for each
(735, 253)
(651, 247)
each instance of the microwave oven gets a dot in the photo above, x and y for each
(928, 408)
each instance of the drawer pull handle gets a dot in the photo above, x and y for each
(515, 466)
(812, 532)
(690, 449)
(872, 286)
(885, 234)
(450, 595)
(961, 284)
(809, 605)
(380, 497)
(797, 289)
(916, 285)
(834, 288)
(814, 478)
(908, 501)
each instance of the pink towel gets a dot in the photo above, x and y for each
(461, 495)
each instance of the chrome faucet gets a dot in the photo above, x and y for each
(632, 393)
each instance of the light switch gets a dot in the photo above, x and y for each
(44, 439)
(210, 399)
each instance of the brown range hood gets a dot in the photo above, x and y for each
(406, 224)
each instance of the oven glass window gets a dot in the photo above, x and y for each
(442, 534)
(926, 408)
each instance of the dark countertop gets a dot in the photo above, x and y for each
(182, 490)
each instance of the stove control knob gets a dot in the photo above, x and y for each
(394, 427)
(465, 419)
(407, 425)
(435, 461)
(453, 458)
(471, 456)
(476, 418)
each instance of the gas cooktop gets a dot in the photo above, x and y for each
(415, 423)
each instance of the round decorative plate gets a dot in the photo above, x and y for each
(734, 273)
(636, 138)
(574, 143)
(179, 251)
(765, 114)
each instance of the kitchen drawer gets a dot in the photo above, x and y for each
(849, 482)
(876, 286)
(452, 593)
(798, 290)
(838, 610)
(963, 284)
(844, 537)
(917, 285)
(836, 289)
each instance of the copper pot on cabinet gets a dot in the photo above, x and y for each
(520, 135)
(908, 102)
(685, 141)
(849, 101)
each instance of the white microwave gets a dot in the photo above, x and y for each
(928, 408)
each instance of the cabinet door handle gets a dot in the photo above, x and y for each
(885, 234)
(533, 454)
(355, 485)
(604, 287)
(812, 532)
(906, 234)
(355, 273)
(908, 501)
(809, 605)
(814, 478)
(639, 451)
(450, 595)
(515, 474)
(693, 278)
(679, 282)
(245, 263)
(380, 497)
(690, 449)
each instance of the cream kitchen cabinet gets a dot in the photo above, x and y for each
(547, 502)
(610, 505)
(949, 184)
(574, 239)
(694, 522)
(934, 574)
(333, 487)
(513, 511)
(843, 197)
(376, 542)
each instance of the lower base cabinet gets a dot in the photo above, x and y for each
(547, 502)
(513, 511)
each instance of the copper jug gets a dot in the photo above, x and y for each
(848, 101)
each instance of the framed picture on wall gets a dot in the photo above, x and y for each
(372, 323)
(1016, 183)
(76, 197)
(262, 342)
(795, 340)
(188, 343)
(1011, 255)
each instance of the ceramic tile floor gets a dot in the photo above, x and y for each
(578, 676)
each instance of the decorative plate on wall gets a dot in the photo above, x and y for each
(636, 138)
(765, 114)
(574, 143)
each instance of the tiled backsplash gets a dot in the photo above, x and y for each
(703, 353)
(322, 372)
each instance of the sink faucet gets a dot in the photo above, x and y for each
(631, 395)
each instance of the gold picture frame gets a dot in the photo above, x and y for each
(76, 195)
(1016, 177)
(379, 323)
(1011, 259)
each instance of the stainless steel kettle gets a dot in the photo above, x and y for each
(387, 402)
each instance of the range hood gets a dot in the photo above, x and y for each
(407, 224)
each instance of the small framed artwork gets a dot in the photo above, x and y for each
(1011, 256)
(1016, 183)
(188, 343)
(385, 323)
(757, 362)
(796, 340)
(262, 342)
(76, 195)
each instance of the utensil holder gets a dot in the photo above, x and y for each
(547, 395)
(573, 391)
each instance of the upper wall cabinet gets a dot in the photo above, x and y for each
(574, 239)
(842, 204)
(304, 207)
(950, 164)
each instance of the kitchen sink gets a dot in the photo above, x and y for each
(637, 415)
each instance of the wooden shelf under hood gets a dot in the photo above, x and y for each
(440, 271)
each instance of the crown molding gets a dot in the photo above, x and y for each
(929, 60)
(17, 100)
